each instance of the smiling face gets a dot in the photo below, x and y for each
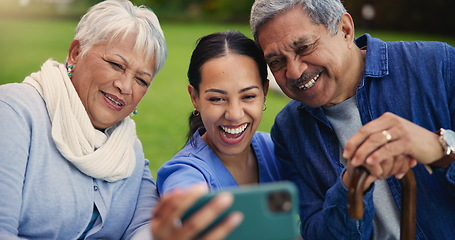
(309, 63)
(110, 79)
(230, 102)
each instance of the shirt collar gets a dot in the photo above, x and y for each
(376, 66)
(376, 60)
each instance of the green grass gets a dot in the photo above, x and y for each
(162, 118)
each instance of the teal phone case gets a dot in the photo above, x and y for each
(270, 211)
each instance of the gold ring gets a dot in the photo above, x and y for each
(387, 135)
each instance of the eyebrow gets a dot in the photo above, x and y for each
(140, 72)
(295, 43)
(145, 73)
(224, 92)
(248, 88)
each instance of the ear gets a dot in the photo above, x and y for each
(346, 29)
(74, 52)
(194, 95)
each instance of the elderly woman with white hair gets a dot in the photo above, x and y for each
(70, 161)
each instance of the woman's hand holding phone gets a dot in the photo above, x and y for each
(166, 223)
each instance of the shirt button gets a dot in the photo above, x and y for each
(95, 188)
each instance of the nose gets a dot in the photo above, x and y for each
(234, 111)
(124, 84)
(295, 68)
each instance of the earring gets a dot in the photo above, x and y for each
(134, 112)
(70, 70)
(195, 113)
(265, 107)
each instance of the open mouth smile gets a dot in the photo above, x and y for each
(115, 101)
(310, 83)
(233, 133)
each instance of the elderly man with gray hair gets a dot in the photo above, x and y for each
(386, 106)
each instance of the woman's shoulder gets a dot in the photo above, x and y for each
(263, 146)
(195, 155)
(20, 95)
(262, 138)
(23, 101)
(187, 167)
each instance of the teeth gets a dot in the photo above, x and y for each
(235, 130)
(310, 83)
(119, 104)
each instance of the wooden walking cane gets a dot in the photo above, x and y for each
(408, 201)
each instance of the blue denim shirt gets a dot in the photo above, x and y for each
(415, 80)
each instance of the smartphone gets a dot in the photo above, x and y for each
(270, 211)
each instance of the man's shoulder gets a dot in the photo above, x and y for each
(290, 119)
(429, 46)
(372, 42)
(290, 110)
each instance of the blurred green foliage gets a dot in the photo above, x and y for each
(219, 10)
(435, 17)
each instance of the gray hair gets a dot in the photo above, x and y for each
(111, 18)
(327, 12)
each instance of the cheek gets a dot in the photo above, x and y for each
(85, 92)
(255, 111)
(139, 93)
(210, 115)
(334, 64)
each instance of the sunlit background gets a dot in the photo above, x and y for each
(31, 31)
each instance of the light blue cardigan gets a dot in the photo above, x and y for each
(43, 196)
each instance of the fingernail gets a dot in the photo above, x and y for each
(345, 155)
(369, 160)
(225, 199)
(200, 187)
(428, 168)
(236, 218)
(354, 161)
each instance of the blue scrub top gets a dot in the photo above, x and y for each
(197, 163)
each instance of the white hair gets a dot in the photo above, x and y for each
(326, 12)
(112, 18)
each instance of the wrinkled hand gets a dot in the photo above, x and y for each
(391, 152)
(166, 224)
(396, 166)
